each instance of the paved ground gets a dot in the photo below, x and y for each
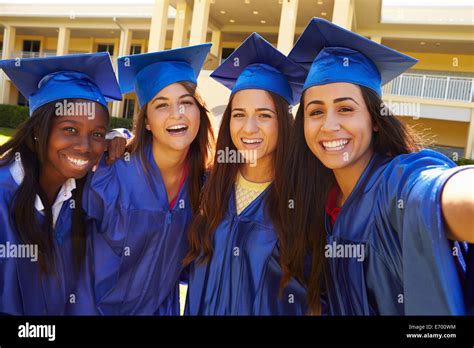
(182, 296)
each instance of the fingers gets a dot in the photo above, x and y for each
(116, 148)
(120, 148)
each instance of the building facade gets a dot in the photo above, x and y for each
(435, 96)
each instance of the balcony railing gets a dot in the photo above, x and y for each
(452, 88)
(24, 54)
(28, 54)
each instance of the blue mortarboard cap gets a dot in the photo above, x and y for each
(256, 64)
(81, 76)
(334, 54)
(149, 73)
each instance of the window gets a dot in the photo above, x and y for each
(226, 52)
(135, 49)
(31, 45)
(31, 48)
(22, 100)
(128, 108)
(106, 48)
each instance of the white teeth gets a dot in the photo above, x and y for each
(177, 127)
(77, 161)
(251, 141)
(335, 145)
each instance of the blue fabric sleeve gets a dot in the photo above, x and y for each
(412, 189)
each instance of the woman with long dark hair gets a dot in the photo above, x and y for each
(374, 211)
(139, 209)
(234, 251)
(42, 174)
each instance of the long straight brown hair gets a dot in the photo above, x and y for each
(30, 145)
(200, 151)
(305, 192)
(219, 186)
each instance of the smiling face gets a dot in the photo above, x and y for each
(173, 117)
(337, 125)
(254, 123)
(76, 142)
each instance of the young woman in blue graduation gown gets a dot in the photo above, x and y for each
(42, 175)
(139, 208)
(234, 252)
(359, 180)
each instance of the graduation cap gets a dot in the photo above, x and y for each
(333, 54)
(256, 64)
(149, 73)
(81, 76)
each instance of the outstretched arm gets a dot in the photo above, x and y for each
(457, 204)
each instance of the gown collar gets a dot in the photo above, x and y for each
(159, 184)
(65, 193)
(363, 183)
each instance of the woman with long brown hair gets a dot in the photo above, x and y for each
(139, 208)
(234, 251)
(373, 211)
(43, 169)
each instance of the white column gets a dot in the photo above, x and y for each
(123, 50)
(286, 32)
(9, 34)
(199, 22)
(91, 45)
(159, 22)
(63, 41)
(470, 138)
(181, 24)
(343, 13)
(216, 44)
(376, 38)
(125, 42)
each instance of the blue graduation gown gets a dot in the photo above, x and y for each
(243, 276)
(23, 289)
(469, 281)
(136, 243)
(394, 212)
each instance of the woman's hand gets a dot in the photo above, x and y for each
(116, 148)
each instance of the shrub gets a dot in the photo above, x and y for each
(11, 116)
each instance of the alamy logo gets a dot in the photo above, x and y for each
(37, 331)
(335, 250)
(20, 251)
(66, 108)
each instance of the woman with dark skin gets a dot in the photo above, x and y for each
(42, 174)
